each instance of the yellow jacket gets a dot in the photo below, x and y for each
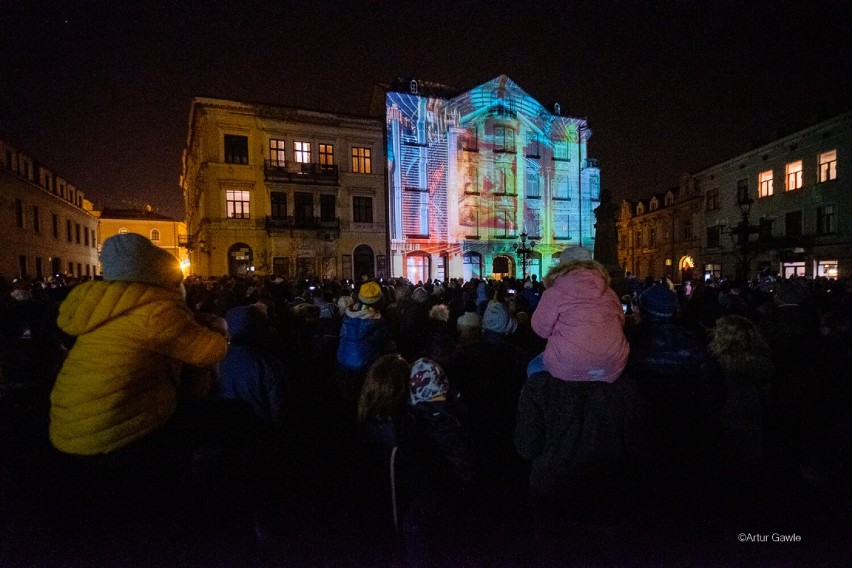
(119, 381)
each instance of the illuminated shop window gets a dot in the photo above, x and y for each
(791, 269)
(712, 271)
(302, 152)
(237, 204)
(326, 156)
(361, 163)
(828, 166)
(236, 149)
(828, 269)
(794, 176)
(277, 153)
(764, 181)
(712, 199)
(827, 219)
(362, 209)
(417, 267)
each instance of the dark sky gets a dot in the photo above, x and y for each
(100, 91)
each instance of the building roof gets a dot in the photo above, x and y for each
(146, 214)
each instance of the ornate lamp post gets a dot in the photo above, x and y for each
(524, 249)
(741, 236)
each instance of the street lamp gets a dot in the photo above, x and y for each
(524, 250)
(741, 236)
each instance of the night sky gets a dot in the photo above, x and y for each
(100, 91)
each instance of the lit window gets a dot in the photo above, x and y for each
(765, 184)
(155, 235)
(828, 166)
(827, 269)
(794, 176)
(277, 153)
(326, 156)
(303, 152)
(654, 204)
(362, 209)
(237, 204)
(361, 161)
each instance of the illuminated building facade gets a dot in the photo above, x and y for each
(659, 236)
(48, 225)
(797, 193)
(469, 172)
(163, 231)
(281, 191)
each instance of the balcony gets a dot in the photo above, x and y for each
(292, 224)
(298, 172)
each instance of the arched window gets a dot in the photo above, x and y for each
(155, 235)
(121, 231)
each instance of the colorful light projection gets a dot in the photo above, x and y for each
(475, 171)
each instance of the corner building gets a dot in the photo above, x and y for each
(283, 191)
(469, 172)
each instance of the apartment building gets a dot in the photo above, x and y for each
(285, 191)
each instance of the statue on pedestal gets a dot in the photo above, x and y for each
(606, 241)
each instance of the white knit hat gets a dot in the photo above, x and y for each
(131, 257)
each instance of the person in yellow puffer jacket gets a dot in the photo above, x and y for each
(120, 381)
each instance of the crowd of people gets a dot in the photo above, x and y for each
(383, 422)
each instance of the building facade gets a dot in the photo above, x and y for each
(470, 172)
(163, 231)
(50, 229)
(283, 191)
(659, 236)
(794, 198)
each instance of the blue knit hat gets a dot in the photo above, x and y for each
(658, 302)
(498, 319)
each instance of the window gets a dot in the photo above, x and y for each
(236, 149)
(533, 150)
(669, 199)
(506, 181)
(361, 161)
(37, 220)
(470, 140)
(794, 176)
(828, 166)
(637, 239)
(712, 271)
(69, 229)
(472, 265)
(417, 267)
(471, 180)
(827, 219)
(560, 150)
(712, 199)
(793, 224)
(827, 269)
(39, 268)
(122, 231)
(328, 208)
(277, 153)
(742, 190)
(19, 213)
(55, 222)
(561, 226)
(764, 229)
(155, 235)
(362, 209)
(77, 233)
(94, 238)
(279, 204)
(505, 223)
(302, 152)
(237, 204)
(713, 234)
(504, 139)
(326, 156)
(86, 236)
(560, 189)
(764, 181)
(533, 186)
(686, 229)
(652, 237)
(22, 265)
(304, 210)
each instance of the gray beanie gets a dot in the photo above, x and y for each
(130, 257)
(575, 253)
(469, 319)
(498, 319)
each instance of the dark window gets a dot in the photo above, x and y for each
(793, 224)
(69, 231)
(304, 206)
(39, 268)
(19, 213)
(22, 266)
(36, 219)
(279, 205)
(713, 234)
(742, 190)
(712, 199)
(687, 229)
(652, 237)
(328, 206)
(765, 229)
(236, 149)
(362, 209)
(827, 219)
(77, 233)
(504, 139)
(55, 221)
(86, 235)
